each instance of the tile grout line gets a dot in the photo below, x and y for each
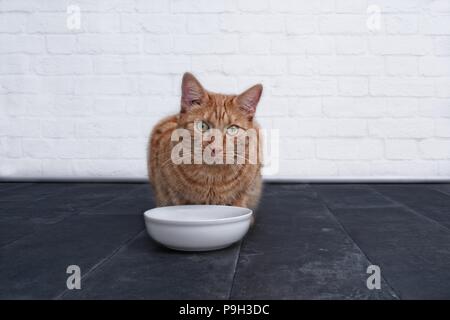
(109, 201)
(235, 270)
(236, 264)
(409, 209)
(102, 262)
(396, 294)
(438, 190)
(41, 228)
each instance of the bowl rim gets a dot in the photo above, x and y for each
(242, 217)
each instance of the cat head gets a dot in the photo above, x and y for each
(202, 110)
(217, 109)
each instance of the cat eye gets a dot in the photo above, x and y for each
(202, 126)
(232, 130)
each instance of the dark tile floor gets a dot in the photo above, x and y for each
(310, 241)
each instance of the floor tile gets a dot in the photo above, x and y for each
(36, 264)
(297, 250)
(412, 251)
(146, 270)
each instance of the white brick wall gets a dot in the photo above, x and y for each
(350, 98)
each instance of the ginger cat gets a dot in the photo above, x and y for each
(236, 184)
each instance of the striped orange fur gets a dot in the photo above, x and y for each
(222, 184)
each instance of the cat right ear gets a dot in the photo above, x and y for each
(192, 92)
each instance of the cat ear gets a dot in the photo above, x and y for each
(192, 92)
(248, 100)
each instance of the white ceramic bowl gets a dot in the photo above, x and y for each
(197, 227)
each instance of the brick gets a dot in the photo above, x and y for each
(253, 5)
(252, 23)
(21, 44)
(303, 86)
(61, 44)
(406, 45)
(301, 6)
(295, 148)
(157, 24)
(100, 22)
(434, 108)
(434, 66)
(206, 63)
(20, 168)
(351, 128)
(203, 44)
(72, 106)
(439, 6)
(351, 44)
(351, 6)
(14, 64)
(407, 6)
(203, 24)
(57, 168)
(205, 6)
(11, 147)
(442, 128)
(304, 66)
(349, 149)
(308, 168)
(73, 149)
(343, 24)
(104, 64)
(443, 88)
(251, 65)
(157, 64)
(399, 107)
(435, 148)
(353, 86)
(39, 148)
(401, 149)
(404, 128)
(19, 84)
(63, 65)
(401, 66)
(254, 44)
(155, 85)
(435, 24)
(304, 24)
(320, 45)
(410, 168)
(109, 106)
(61, 128)
(111, 128)
(358, 168)
(313, 127)
(414, 87)
(355, 65)
(157, 44)
(442, 46)
(104, 85)
(303, 107)
(115, 44)
(154, 6)
(12, 22)
(48, 23)
(401, 24)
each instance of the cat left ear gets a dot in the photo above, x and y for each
(192, 92)
(248, 100)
